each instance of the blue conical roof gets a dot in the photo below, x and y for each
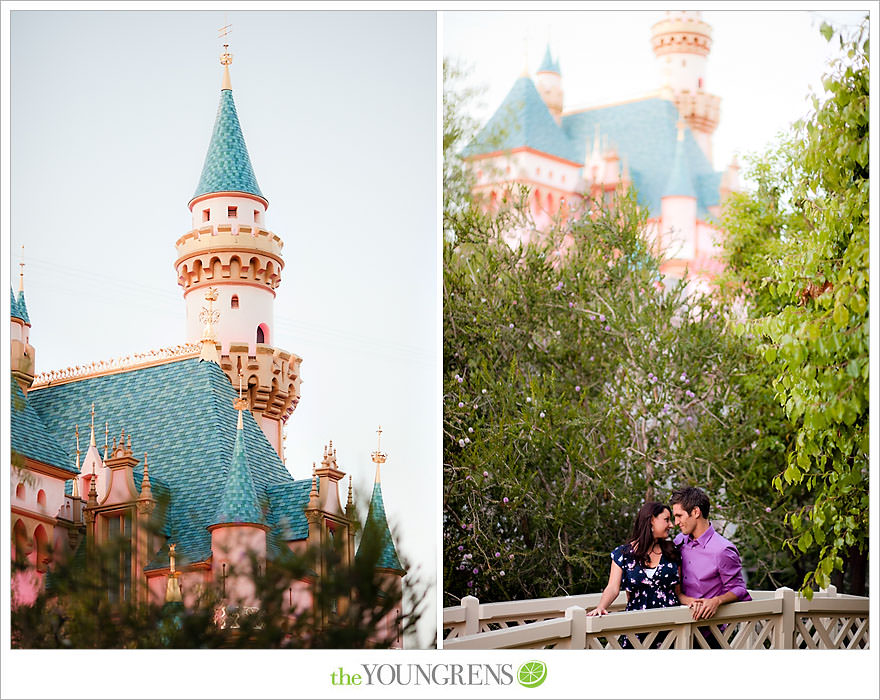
(523, 120)
(13, 305)
(377, 526)
(21, 308)
(680, 182)
(548, 65)
(238, 503)
(227, 165)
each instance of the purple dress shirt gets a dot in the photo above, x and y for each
(710, 566)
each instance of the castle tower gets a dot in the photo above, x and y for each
(22, 352)
(681, 43)
(238, 529)
(549, 83)
(231, 261)
(228, 246)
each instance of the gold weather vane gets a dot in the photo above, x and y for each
(225, 57)
(378, 456)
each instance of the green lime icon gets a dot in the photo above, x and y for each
(531, 674)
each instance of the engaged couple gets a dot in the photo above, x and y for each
(700, 568)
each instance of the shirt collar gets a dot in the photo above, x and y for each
(703, 539)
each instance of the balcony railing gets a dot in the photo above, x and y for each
(780, 619)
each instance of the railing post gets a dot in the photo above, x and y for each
(784, 638)
(471, 607)
(684, 636)
(578, 617)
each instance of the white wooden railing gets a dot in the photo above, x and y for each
(780, 619)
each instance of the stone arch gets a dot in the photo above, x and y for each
(20, 543)
(20, 491)
(41, 498)
(235, 267)
(41, 549)
(263, 333)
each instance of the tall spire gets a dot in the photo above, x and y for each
(20, 310)
(227, 166)
(21, 272)
(92, 434)
(238, 502)
(76, 478)
(225, 57)
(376, 527)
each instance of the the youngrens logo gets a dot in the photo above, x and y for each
(529, 675)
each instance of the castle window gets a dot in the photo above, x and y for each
(41, 498)
(257, 215)
(262, 333)
(700, 83)
(117, 531)
(206, 215)
(234, 301)
(19, 492)
(232, 212)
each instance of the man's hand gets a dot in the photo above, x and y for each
(704, 608)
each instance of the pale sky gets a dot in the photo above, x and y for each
(762, 63)
(111, 115)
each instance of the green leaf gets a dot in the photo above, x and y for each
(805, 541)
(840, 315)
(770, 354)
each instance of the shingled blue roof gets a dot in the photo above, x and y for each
(227, 165)
(377, 526)
(680, 183)
(13, 305)
(524, 120)
(238, 504)
(645, 134)
(29, 436)
(181, 414)
(21, 308)
(548, 64)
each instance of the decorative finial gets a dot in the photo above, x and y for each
(172, 588)
(680, 127)
(525, 71)
(378, 456)
(349, 503)
(239, 404)
(225, 57)
(209, 316)
(21, 272)
(76, 478)
(92, 436)
(313, 493)
(146, 489)
(106, 437)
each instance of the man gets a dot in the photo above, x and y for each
(711, 567)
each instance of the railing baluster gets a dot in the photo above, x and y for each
(471, 607)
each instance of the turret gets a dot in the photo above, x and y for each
(22, 353)
(681, 43)
(228, 246)
(548, 80)
(238, 529)
(229, 266)
(678, 205)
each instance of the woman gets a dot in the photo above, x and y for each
(648, 567)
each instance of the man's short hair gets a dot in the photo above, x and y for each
(691, 497)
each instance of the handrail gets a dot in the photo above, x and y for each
(780, 619)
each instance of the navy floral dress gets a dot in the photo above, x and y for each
(646, 592)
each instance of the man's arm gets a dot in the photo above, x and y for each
(730, 573)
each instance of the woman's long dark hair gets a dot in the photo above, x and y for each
(642, 537)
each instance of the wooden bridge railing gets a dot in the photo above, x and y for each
(780, 619)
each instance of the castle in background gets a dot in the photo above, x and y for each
(206, 417)
(659, 144)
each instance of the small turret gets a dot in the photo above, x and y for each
(22, 353)
(548, 80)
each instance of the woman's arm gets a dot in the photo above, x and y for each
(683, 599)
(611, 591)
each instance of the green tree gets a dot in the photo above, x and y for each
(797, 252)
(76, 611)
(576, 386)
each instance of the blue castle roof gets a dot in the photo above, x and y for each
(377, 527)
(181, 414)
(29, 436)
(548, 64)
(18, 306)
(227, 165)
(643, 131)
(523, 120)
(238, 504)
(680, 182)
